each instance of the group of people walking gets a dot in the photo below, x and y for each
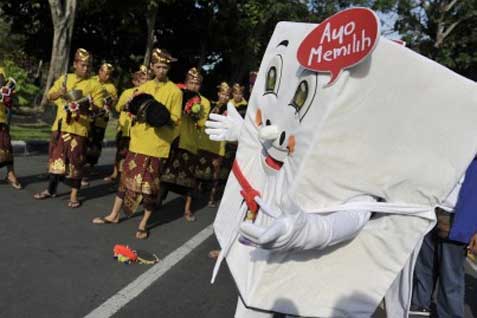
(161, 142)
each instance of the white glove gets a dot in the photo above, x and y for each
(304, 231)
(220, 127)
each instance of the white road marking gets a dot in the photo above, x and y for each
(131, 291)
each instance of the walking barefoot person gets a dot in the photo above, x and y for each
(150, 144)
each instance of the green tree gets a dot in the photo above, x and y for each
(443, 30)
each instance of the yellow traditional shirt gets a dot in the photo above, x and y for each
(3, 108)
(189, 130)
(90, 87)
(109, 89)
(242, 103)
(204, 143)
(124, 122)
(156, 142)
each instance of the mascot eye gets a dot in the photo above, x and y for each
(271, 80)
(300, 96)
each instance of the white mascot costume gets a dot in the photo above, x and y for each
(345, 178)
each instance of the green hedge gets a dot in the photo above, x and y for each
(25, 90)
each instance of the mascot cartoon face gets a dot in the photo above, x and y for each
(283, 96)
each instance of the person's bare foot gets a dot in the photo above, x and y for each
(14, 183)
(110, 178)
(189, 217)
(105, 220)
(74, 204)
(43, 195)
(142, 234)
(214, 254)
(212, 204)
(84, 182)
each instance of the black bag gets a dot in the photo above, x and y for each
(148, 110)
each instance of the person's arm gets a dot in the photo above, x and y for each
(57, 90)
(305, 231)
(204, 113)
(176, 107)
(473, 245)
(123, 99)
(96, 95)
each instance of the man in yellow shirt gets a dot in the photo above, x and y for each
(179, 170)
(149, 146)
(124, 122)
(6, 151)
(76, 98)
(100, 122)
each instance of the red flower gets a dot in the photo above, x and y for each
(190, 103)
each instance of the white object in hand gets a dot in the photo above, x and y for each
(304, 231)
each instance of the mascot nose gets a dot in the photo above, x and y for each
(269, 132)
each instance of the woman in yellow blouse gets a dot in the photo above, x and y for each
(6, 151)
(124, 122)
(100, 122)
(179, 170)
(211, 153)
(149, 146)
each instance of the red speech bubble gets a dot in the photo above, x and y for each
(341, 41)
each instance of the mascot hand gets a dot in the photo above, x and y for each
(224, 127)
(304, 231)
(281, 234)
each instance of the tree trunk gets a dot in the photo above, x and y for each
(63, 17)
(151, 25)
(203, 53)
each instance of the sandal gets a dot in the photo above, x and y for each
(74, 204)
(142, 234)
(212, 204)
(189, 217)
(102, 220)
(15, 184)
(43, 195)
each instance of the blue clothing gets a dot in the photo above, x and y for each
(464, 224)
(443, 260)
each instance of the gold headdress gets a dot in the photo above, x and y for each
(106, 67)
(82, 55)
(142, 71)
(194, 74)
(161, 56)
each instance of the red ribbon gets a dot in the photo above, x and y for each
(247, 192)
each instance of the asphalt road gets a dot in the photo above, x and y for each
(55, 263)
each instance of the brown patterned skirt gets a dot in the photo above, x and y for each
(139, 181)
(208, 166)
(179, 169)
(6, 151)
(95, 145)
(66, 154)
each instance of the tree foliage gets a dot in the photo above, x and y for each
(225, 37)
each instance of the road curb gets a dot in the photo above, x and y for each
(37, 147)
